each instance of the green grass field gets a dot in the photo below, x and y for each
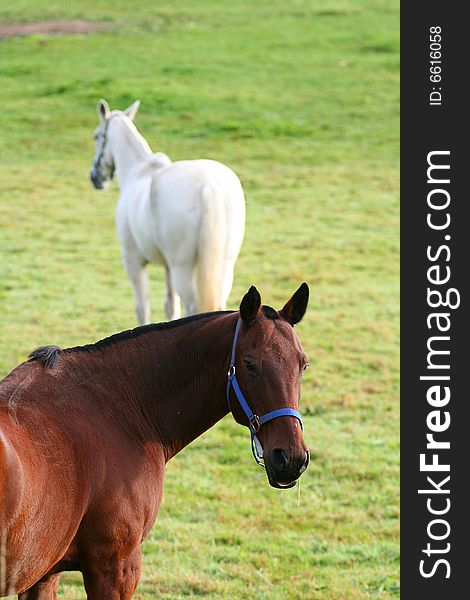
(300, 98)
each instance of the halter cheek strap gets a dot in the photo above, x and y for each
(254, 421)
(97, 162)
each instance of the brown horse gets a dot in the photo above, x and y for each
(85, 434)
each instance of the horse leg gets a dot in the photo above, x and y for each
(172, 304)
(137, 272)
(46, 589)
(113, 578)
(183, 281)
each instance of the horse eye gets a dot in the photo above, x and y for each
(305, 367)
(251, 369)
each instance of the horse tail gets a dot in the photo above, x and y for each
(211, 250)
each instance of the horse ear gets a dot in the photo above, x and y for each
(131, 110)
(103, 109)
(295, 309)
(250, 306)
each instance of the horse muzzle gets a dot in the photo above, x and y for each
(96, 180)
(282, 472)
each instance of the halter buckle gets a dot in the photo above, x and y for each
(255, 424)
(231, 372)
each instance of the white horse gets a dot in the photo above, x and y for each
(188, 215)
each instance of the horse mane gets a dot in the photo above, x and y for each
(48, 355)
(270, 313)
(159, 160)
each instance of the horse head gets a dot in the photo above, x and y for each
(264, 384)
(102, 170)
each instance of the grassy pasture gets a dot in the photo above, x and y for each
(300, 98)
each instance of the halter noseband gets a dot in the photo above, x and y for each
(254, 421)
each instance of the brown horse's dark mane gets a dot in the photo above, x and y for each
(270, 313)
(48, 355)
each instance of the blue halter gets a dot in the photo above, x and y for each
(254, 421)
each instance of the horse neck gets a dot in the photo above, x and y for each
(128, 147)
(181, 379)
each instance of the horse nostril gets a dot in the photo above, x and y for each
(279, 459)
(306, 462)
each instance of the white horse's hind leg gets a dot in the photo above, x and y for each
(182, 277)
(172, 303)
(137, 272)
